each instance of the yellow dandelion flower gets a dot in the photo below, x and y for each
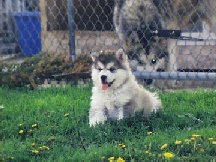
(120, 160)
(21, 131)
(33, 144)
(122, 146)
(103, 157)
(168, 155)
(214, 142)
(111, 159)
(34, 126)
(20, 125)
(1, 107)
(164, 146)
(210, 139)
(178, 142)
(45, 148)
(201, 150)
(66, 115)
(193, 139)
(147, 152)
(149, 133)
(187, 141)
(30, 131)
(35, 151)
(52, 138)
(195, 135)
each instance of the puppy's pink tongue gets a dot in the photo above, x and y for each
(105, 86)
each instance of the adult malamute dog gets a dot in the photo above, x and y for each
(134, 21)
(116, 93)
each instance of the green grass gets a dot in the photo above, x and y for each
(61, 116)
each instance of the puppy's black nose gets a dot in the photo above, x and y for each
(103, 78)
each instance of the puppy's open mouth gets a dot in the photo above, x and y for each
(106, 85)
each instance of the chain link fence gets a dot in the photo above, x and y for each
(164, 40)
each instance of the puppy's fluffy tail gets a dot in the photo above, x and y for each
(151, 102)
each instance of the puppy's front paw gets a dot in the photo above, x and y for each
(94, 121)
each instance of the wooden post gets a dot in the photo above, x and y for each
(42, 6)
(72, 28)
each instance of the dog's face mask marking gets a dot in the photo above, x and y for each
(148, 63)
(106, 74)
(109, 69)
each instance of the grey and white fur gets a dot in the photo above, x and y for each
(134, 21)
(116, 93)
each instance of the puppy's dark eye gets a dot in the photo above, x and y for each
(153, 61)
(99, 69)
(112, 69)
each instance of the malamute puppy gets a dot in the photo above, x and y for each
(134, 21)
(116, 93)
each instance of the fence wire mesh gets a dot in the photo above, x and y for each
(159, 37)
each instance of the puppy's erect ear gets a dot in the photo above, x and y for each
(120, 55)
(94, 55)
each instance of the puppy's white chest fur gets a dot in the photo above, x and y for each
(111, 103)
(115, 99)
(111, 99)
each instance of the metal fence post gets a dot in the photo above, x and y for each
(72, 28)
